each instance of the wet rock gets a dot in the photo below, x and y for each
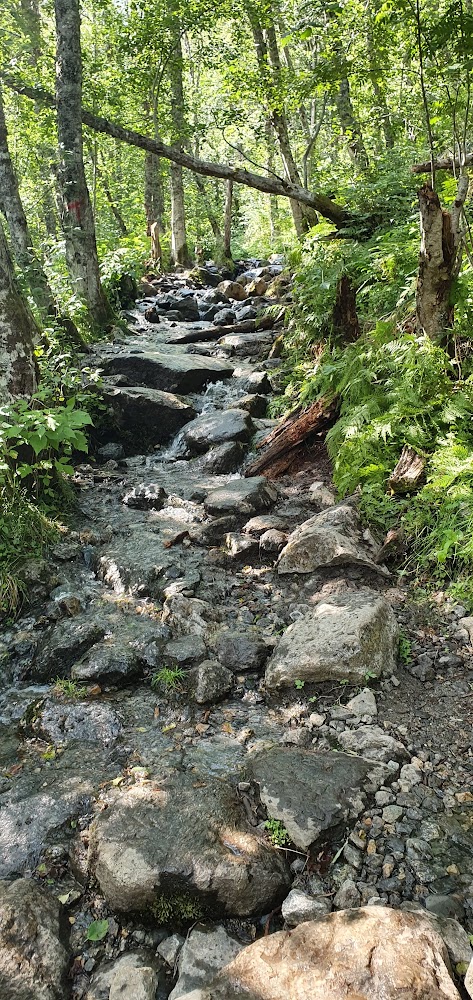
(29, 819)
(246, 312)
(136, 565)
(299, 907)
(188, 842)
(346, 637)
(146, 417)
(391, 954)
(174, 373)
(332, 538)
(147, 496)
(373, 743)
(240, 652)
(187, 308)
(216, 428)
(210, 681)
(248, 345)
(255, 404)
(256, 382)
(203, 954)
(225, 457)
(263, 522)
(109, 664)
(113, 450)
(61, 646)
(224, 317)
(242, 496)
(61, 722)
(34, 959)
(185, 651)
(232, 290)
(312, 793)
(187, 615)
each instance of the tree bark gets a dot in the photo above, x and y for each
(179, 249)
(270, 185)
(18, 332)
(153, 193)
(345, 321)
(284, 444)
(76, 210)
(21, 241)
(227, 233)
(439, 260)
(350, 125)
(214, 223)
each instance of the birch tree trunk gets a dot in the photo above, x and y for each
(227, 229)
(76, 211)
(350, 125)
(179, 249)
(439, 260)
(267, 54)
(18, 333)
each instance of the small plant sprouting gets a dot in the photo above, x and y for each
(68, 688)
(405, 649)
(168, 678)
(277, 833)
(370, 675)
(299, 684)
(179, 908)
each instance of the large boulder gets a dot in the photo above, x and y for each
(34, 959)
(313, 793)
(362, 954)
(145, 417)
(180, 373)
(347, 637)
(60, 647)
(248, 345)
(184, 841)
(232, 290)
(332, 538)
(216, 428)
(242, 496)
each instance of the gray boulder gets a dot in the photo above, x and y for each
(61, 646)
(347, 637)
(332, 538)
(216, 428)
(224, 317)
(184, 840)
(109, 664)
(373, 743)
(147, 496)
(180, 373)
(242, 496)
(203, 954)
(132, 976)
(298, 907)
(225, 457)
(34, 959)
(63, 722)
(240, 651)
(210, 681)
(248, 345)
(312, 793)
(146, 417)
(185, 651)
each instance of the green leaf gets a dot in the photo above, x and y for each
(97, 930)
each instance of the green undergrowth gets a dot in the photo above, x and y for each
(395, 389)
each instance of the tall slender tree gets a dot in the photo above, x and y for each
(179, 248)
(76, 209)
(18, 332)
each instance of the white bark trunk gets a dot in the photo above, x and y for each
(17, 335)
(179, 249)
(227, 233)
(76, 210)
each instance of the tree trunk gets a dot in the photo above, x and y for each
(76, 211)
(375, 77)
(18, 332)
(21, 241)
(345, 323)
(439, 260)
(267, 54)
(214, 223)
(289, 440)
(153, 193)
(227, 235)
(259, 182)
(179, 249)
(350, 125)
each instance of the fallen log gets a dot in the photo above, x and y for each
(192, 336)
(408, 472)
(286, 442)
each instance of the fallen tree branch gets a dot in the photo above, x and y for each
(446, 163)
(269, 185)
(285, 442)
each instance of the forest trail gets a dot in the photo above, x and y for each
(216, 638)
